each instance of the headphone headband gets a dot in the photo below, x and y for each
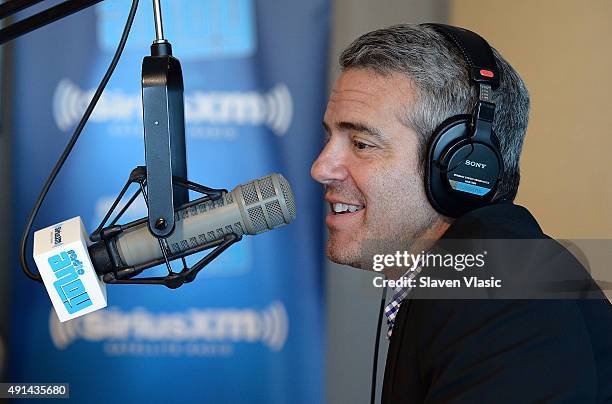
(476, 52)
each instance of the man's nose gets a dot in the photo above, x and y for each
(330, 166)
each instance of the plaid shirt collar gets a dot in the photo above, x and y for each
(401, 292)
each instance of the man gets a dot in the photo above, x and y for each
(397, 85)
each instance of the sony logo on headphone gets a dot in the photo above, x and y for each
(475, 164)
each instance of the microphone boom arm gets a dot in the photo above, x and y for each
(38, 20)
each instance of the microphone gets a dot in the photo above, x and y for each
(71, 265)
(252, 208)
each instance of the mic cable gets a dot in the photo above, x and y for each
(75, 136)
(376, 346)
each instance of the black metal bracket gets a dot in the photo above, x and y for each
(107, 231)
(164, 136)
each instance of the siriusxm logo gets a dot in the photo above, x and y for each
(474, 164)
(57, 236)
(69, 287)
(269, 326)
(273, 109)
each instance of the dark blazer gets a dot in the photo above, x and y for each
(500, 351)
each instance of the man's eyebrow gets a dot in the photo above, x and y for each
(360, 127)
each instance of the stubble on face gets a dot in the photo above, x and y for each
(395, 221)
(388, 180)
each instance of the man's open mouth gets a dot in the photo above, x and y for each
(342, 208)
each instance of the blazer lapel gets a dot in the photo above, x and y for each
(395, 347)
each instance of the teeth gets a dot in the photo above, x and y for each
(343, 207)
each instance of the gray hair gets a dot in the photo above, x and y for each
(439, 75)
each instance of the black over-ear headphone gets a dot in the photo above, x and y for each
(464, 163)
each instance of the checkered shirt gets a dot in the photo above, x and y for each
(401, 292)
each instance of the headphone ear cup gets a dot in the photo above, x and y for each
(449, 132)
(460, 175)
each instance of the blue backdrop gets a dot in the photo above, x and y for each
(250, 329)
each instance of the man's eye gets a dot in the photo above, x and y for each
(361, 145)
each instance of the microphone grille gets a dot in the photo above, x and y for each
(287, 195)
(267, 187)
(275, 213)
(250, 193)
(268, 203)
(258, 219)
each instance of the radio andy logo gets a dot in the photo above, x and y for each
(67, 268)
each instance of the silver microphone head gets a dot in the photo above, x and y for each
(265, 203)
